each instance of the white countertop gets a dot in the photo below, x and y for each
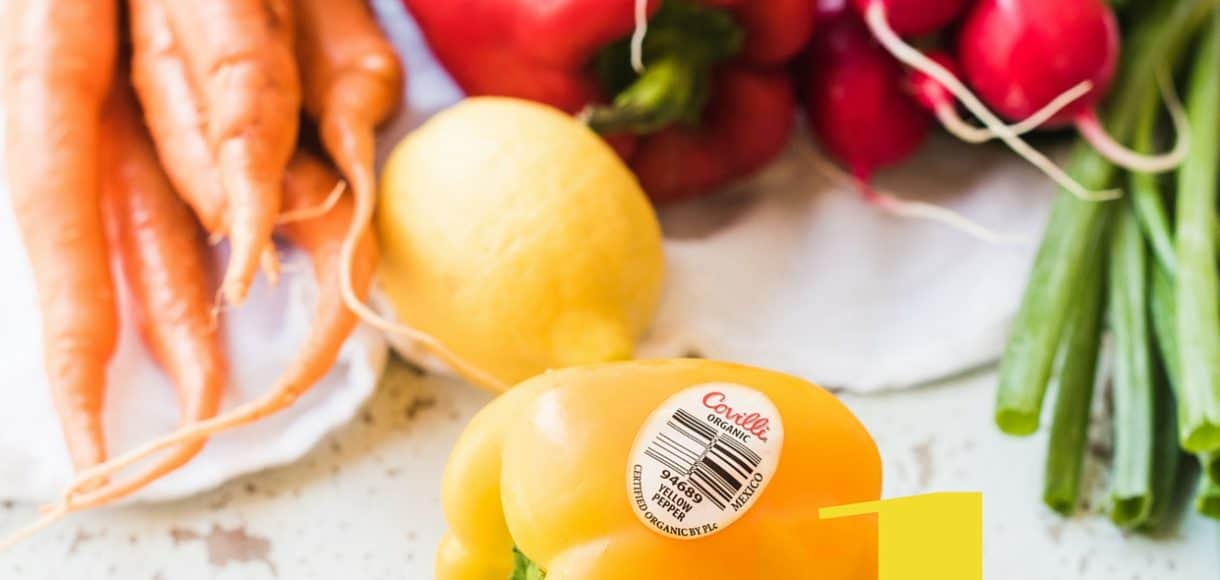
(364, 504)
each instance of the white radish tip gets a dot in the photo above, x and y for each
(914, 209)
(878, 24)
(637, 36)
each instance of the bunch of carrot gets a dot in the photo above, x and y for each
(137, 131)
(1145, 268)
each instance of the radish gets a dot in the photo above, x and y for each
(853, 86)
(934, 97)
(1019, 54)
(914, 17)
(825, 10)
(857, 107)
(877, 15)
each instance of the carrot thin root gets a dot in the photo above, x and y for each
(48, 518)
(243, 415)
(308, 213)
(269, 262)
(878, 23)
(363, 216)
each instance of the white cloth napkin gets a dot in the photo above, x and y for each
(793, 272)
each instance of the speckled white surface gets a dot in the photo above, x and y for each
(364, 504)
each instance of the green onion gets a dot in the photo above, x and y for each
(1029, 358)
(1134, 393)
(1077, 375)
(1207, 498)
(1197, 292)
(1146, 194)
(1157, 42)
(1167, 456)
(1164, 314)
(1211, 465)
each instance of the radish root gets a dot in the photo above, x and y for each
(637, 36)
(1090, 128)
(877, 22)
(956, 126)
(912, 209)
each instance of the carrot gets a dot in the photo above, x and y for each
(174, 114)
(352, 81)
(60, 58)
(239, 57)
(307, 183)
(176, 119)
(166, 266)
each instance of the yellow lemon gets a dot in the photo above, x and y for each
(515, 237)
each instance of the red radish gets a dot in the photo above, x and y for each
(875, 14)
(858, 108)
(856, 103)
(937, 99)
(1020, 54)
(914, 17)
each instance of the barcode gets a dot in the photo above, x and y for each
(715, 463)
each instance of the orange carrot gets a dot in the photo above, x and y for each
(166, 265)
(307, 183)
(176, 119)
(239, 57)
(353, 80)
(60, 57)
(174, 115)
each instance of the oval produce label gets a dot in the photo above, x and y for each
(702, 459)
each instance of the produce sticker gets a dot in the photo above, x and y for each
(702, 459)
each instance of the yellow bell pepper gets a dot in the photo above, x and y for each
(548, 468)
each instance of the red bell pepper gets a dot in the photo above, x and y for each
(713, 104)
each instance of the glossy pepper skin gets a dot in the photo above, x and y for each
(545, 51)
(544, 468)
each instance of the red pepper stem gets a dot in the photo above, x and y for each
(686, 39)
(670, 90)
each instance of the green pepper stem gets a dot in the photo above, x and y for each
(669, 91)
